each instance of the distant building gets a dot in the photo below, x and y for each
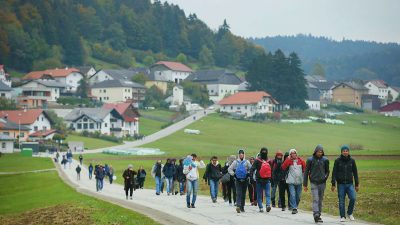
(325, 90)
(115, 91)
(177, 99)
(392, 109)
(169, 71)
(219, 83)
(248, 104)
(313, 100)
(130, 115)
(315, 78)
(34, 119)
(13, 130)
(394, 91)
(106, 121)
(120, 74)
(4, 77)
(6, 144)
(349, 93)
(70, 77)
(371, 102)
(38, 93)
(87, 71)
(5, 90)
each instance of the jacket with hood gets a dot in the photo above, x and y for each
(157, 170)
(278, 174)
(317, 169)
(213, 172)
(344, 170)
(169, 170)
(193, 174)
(234, 165)
(296, 168)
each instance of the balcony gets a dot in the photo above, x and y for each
(116, 129)
(34, 97)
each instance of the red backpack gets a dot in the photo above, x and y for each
(265, 169)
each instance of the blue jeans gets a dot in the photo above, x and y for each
(99, 184)
(182, 187)
(295, 194)
(158, 184)
(274, 186)
(191, 186)
(170, 184)
(214, 188)
(260, 186)
(348, 189)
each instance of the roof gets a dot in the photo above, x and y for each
(379, 83)
(328, 85)
(313, 94)
(52, 72)
(394, 106)
(23, 116)
(177, 66)
(96, 114)
(117, 83)
(48, 83)
(396, 88)
(215, 77)
(4, 87)
(245, 98)
(40, 133)
(84, 69)
(352, 84)
(315, 78)
(121, 109)
(9, 125)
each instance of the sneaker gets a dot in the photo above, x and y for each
(268, 208)
(261, 210)
(351, 217)
(316, 218)
(241, 210)
(343, 219)
(283, 209)
(214, 200)
(192, 206)
(237, 209)
(188, 205)
(320, 220)
(157, 193)
(176, 192)
(273, 205)
(294, 211)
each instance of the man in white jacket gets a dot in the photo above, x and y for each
(190, 169)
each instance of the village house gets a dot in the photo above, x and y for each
(130, 116)
(69, 77)
(394, 91)
(106, 121)
(38, 93)
(313, 97)
(219, 83)
(4, 77)
(115, 91)
(349, 93)
(37, 120)
(5, 91)
(86, 71)
(177, 99)
(169, 71)
(392, 109)
(6, 144)
(121, 74)
(248, 104)
(13, 130)
(379, 88)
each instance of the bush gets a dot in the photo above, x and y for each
(71, 100)
(98, 135)
(345, 108)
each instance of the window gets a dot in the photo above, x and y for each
(105, 124)
(6, 133)
(22, 134)
(79, 126)
(104, 90)
(231, 107)
(42, 118)
(3, 145)
(35, 128)
(85, 119)
(85, 126)
(238, 107)
(44, 128)
(245, 107)
(3, 94)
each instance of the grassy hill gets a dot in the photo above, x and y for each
(220, 136)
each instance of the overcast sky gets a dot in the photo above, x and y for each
(373, 20)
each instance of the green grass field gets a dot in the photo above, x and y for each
(17, 163)
(42, 198)
(220, 136)
(91, 143)
(149, 126)
(376, 202)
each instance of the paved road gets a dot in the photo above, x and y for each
(160, 134)
(172, 209)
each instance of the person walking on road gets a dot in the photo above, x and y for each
(344, 170)
(78, 172)
(157, 173)
(110, 174)
(263, 171)
(252, 185)
(80, 159)
(99, 175)
(169, 171)
(240, 169)
(212, 175)
(141, 177)
(278, 177)
(296, 167)
(129, 180)
(317, 170)
(90, 168)
(180, 176)
(191, 166)
(230, 185)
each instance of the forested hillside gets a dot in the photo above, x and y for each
(340, 60)
(50, 33)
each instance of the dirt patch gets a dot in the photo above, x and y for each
(64, 214)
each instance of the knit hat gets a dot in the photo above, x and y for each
(241, 151)
(130, 166)
(286, 154)
(292, 151)
(319, 148)
(344, 147)
(279, 152)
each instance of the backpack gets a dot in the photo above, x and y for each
(265, 169)
(241, 172)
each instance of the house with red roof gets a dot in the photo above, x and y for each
(37, 120)
(248, 104)
(169, 71)
(392, 109)
(69, 77)
(13, 130)
(130, 117)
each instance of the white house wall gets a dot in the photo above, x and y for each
(314, 105)
(218, 91)
(5, 94)
(41, 123)
(72, 81)
(113, 95)
(6, 146)
(99, 77)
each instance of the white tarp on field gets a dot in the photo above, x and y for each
(134, 151)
